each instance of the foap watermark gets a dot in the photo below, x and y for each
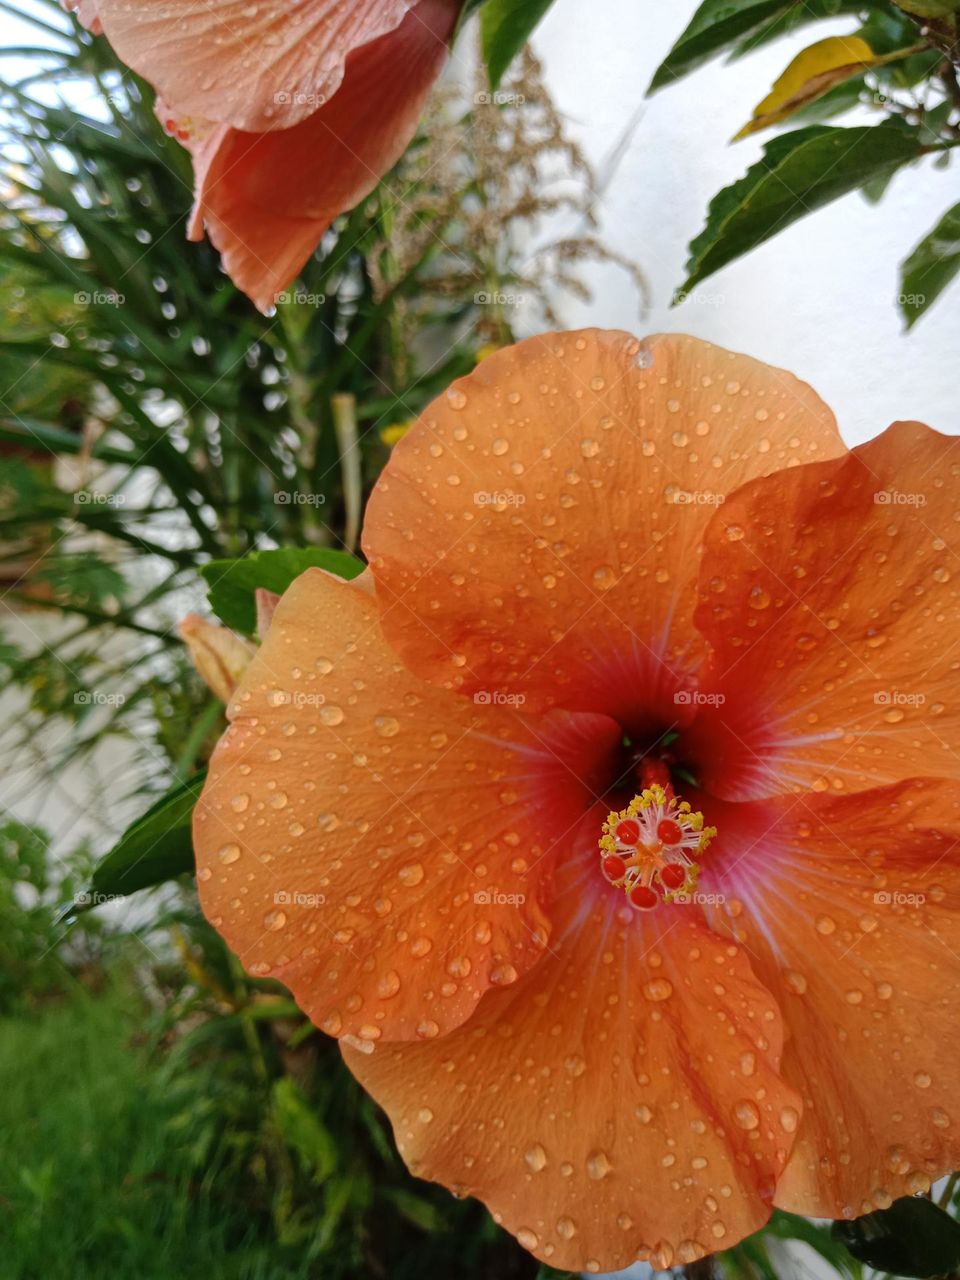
(88, 498)
(97, 698)
(298, 498)
(696, 498)
(911, 299)
(501, 498)
(898, 698)
(494, 898)
(497, 698)
(896, 898)
(88, 898)
(99, 298)
(695, 698)
(299, 698)
(698, 899)
(301, 298)
(498, 98)
(494, 298)
(698, 298)
(294, 898)
(895, 498)
(284, 99)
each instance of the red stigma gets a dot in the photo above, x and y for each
(669, 831)
(628, 831)
(673, 875)
(614, 868)
(643, 897)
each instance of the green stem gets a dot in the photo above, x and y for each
(197, 737)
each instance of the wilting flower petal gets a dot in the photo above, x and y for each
(255, 66)
(557, 499)
(267, 198)
(220, 656)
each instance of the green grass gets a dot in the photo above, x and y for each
(96, 1178)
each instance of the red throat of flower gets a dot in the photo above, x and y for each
(651, 848)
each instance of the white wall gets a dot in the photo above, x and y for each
(819, 299)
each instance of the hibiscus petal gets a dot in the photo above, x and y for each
(255, 66)
(554, 503)
(267, 198)
(850, 908)
(383, 848)
(830, 597)
(622, 1101)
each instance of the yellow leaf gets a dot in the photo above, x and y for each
(811, 74)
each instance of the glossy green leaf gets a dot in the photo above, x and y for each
(715, 27)
(931, 267)
(802, 14)
(911, 1238)
(505, 27)
(156, 848)
(799, 172)
(232, 583)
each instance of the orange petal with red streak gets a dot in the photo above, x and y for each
(850, 908)
(555, 502)
(382, 847)
(830, 595)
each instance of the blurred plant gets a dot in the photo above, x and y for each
(467, 203)
(900, 62)
(32, 885)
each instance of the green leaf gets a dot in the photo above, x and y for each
(911, 1238)
(420, 1212)
(799, 172)
(800, 15)
(156, 848)
(232, 583)
(931, 267)
(715, 27)
(505, 27)
(302, 1130)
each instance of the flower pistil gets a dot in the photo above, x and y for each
(650, 848)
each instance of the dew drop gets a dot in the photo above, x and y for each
(598, 1165)
(746, 1114)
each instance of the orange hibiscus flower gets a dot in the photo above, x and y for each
(622, 594)
(292, 113)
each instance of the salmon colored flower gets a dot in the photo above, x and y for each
(292, 113)
(611, 820)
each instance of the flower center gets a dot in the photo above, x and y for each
(650, 848)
